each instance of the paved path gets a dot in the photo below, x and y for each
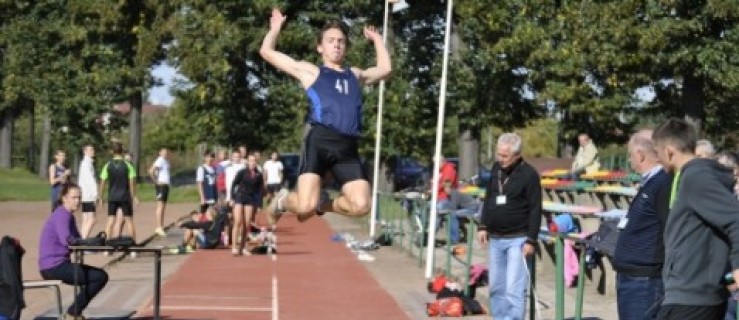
(301, 278)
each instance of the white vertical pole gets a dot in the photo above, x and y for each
(378, 134)
(431, 244)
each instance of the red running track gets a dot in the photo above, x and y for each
(311, 278)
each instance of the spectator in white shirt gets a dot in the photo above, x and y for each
(89, 188)
(231, 169)
(273, 175)
(159, 173)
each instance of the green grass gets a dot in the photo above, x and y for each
(21, 185)
(181, 194)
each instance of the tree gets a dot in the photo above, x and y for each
(693, 60)
(134, 34)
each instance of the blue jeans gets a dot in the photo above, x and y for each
(638, 297)
(507, 278)
(442, 205)
(90, 278)
(453, 219)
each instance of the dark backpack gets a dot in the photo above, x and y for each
(11, 278)
(96, 241)
(604, 240)
(122, 242)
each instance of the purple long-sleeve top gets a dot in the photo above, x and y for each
(60, 228)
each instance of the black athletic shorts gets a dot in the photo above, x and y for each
(325, 149)
(88, 206)
(125, 206)
(248, 199)
(162, 192)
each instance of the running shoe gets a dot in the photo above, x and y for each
(160, 232)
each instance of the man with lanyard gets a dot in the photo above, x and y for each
(331, 144)
(640, 250)
(121, 176)
(702, 231)
(511, 218)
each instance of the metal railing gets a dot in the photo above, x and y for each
(404, 216)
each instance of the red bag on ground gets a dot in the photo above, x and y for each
(446, 307)
(437, 284)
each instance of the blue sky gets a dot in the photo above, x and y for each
(160, 95)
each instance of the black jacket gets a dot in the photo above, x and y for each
(521, 213)
(11, 283)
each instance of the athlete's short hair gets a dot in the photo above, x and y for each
(677, 133)
(334, 24)
(117, 148)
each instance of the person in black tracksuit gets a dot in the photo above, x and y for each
(247, 189)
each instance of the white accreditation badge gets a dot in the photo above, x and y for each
(500, 200)
(622, 222)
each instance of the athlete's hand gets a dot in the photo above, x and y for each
(277, 19)
(370, 32)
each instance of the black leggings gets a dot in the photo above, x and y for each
(91, 279)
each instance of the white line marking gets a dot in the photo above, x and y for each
(275, 306)
(174, 296)
(216, 308)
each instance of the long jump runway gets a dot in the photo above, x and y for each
(310, 278)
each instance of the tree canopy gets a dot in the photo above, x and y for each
(603, 67)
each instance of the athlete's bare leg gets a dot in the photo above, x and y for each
(302, 202)
(238, 237)
(354, 200)
(88, 221)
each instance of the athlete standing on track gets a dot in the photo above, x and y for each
(335, 94)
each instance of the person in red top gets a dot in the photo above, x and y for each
(447, 173)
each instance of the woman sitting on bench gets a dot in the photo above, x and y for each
(59, 232)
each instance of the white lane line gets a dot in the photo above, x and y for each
(216, 308)
(275, 306)
(175, 296)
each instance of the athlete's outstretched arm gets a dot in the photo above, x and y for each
(298, 69)
(383, 68)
